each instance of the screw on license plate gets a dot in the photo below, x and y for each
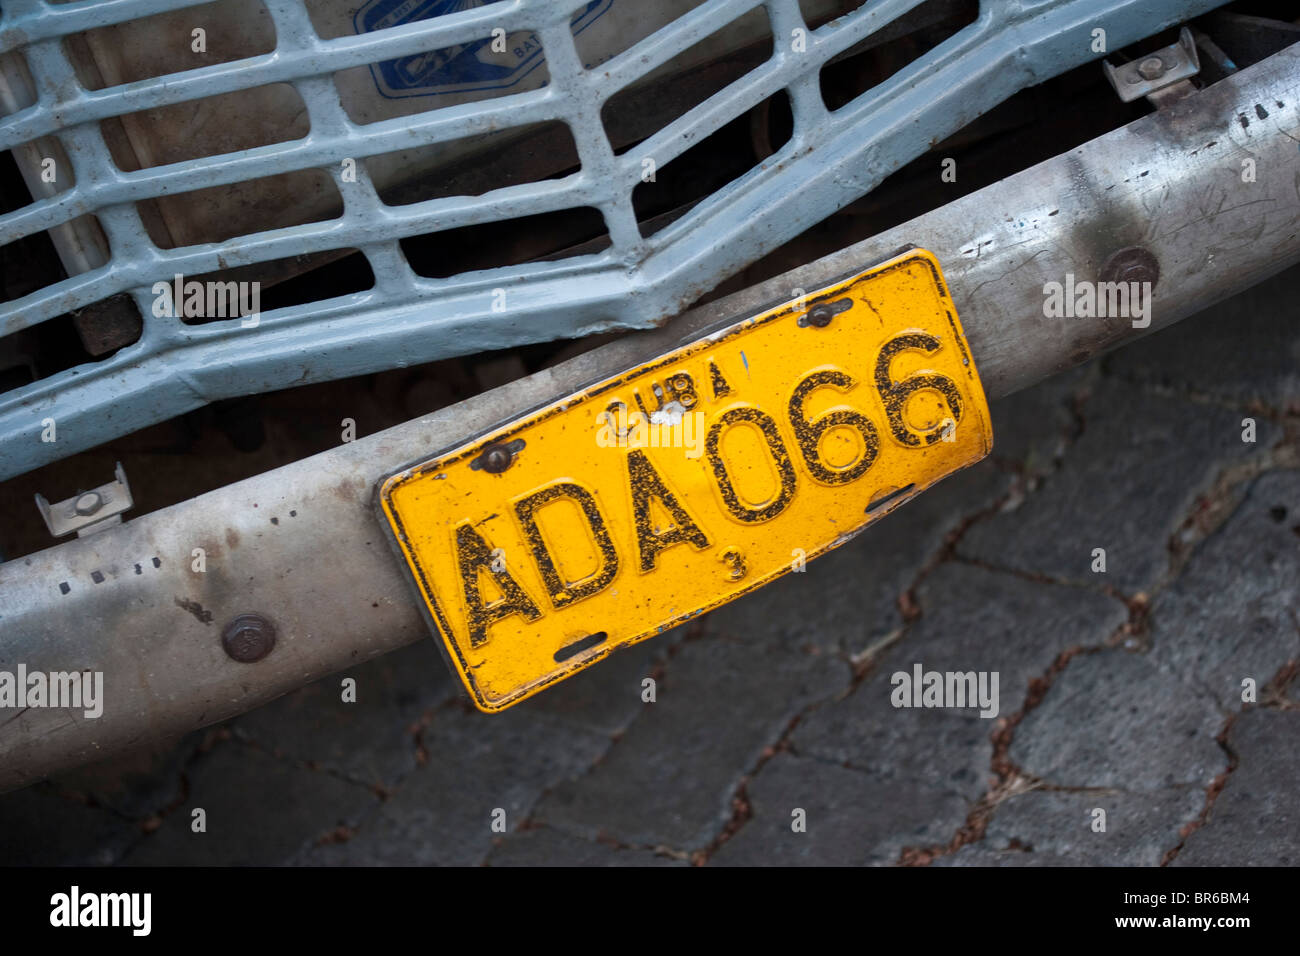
(497, 458)
(820, 315)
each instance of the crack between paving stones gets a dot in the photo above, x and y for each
(342, 833)
(1008, 779)
(1039, 577)
(1194, 396)
(694, 631)
(602, 838)
(304, 763)
(742, 810)
(1208, 511)
(1212, 508)
(909, 604)
(212, 738)
(1274, 695)
(1211, 792)
(1273, 692)
(1029, 484)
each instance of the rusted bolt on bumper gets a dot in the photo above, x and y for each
(248, 638)
(1131, 264)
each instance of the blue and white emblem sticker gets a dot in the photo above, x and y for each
(464, 68)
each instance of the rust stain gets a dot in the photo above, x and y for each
(347, 489)
(195, 608)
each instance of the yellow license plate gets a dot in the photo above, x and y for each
(657, 494)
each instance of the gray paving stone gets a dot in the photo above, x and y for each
(935, 749)
(1054, 828)
(938, 761)
(1113, 719)
(367, 740)
(260, 810)
(972, 619)
(134, 785)
(1243, 350)
(442, 814)
(41, 827)
(1232, 613)
(851, 818)
(1256, 819)
(919, 749)
(1033, 427)
(1125, 485)
(542, 846)
(606, 697)
(670, 779)
(848, 598)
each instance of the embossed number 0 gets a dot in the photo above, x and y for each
(809, 434)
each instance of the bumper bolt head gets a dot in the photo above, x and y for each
(1131, 264)
(248, 638)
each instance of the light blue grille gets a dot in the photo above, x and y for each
(832, 159)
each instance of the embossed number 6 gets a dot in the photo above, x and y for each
(895, 394)
(809, 434)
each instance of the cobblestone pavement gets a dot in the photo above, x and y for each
(1159, 696)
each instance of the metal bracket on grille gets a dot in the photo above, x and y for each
(1156, 71)
(89, 511)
